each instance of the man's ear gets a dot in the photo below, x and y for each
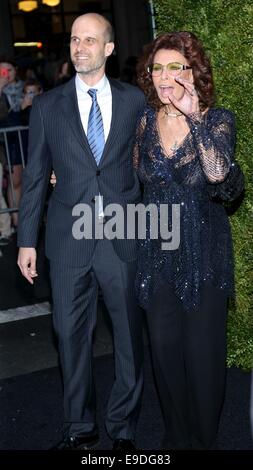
(109, 47)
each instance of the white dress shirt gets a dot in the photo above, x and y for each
(104, 99)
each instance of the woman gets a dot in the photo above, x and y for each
(183, 154)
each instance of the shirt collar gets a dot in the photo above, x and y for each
(81, 86)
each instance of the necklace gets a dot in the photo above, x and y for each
(174, 147)
(175, 114)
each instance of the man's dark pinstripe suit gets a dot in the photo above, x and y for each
(57, 141)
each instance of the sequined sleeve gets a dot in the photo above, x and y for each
(141, 124)
(214, 142)
(231, 188)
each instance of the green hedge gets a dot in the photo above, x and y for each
(226, 29)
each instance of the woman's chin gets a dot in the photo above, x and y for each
(164, 99)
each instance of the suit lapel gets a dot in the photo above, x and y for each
(118, 110)
(70, 109)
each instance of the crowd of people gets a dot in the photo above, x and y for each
(16, 97)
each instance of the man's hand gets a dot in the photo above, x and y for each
(27, 263)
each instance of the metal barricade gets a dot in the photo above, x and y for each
(4, 131)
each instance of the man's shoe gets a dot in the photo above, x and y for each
(77, 443)
(123, 445)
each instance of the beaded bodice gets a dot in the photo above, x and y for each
(201, 161)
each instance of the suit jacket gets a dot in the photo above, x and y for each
(57, 140)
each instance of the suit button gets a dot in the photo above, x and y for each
(98, 172)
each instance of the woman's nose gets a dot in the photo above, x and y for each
(165, 74)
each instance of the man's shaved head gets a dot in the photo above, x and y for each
(108, 29)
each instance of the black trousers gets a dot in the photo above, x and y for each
(75, 292)
(189, 360)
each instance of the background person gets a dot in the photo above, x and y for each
(32, 88)
(12, 90)
(5, 220)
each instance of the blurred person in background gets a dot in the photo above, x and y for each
(12, 90)
(5, 220)
(32, 88)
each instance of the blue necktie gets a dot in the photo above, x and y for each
(95, 132)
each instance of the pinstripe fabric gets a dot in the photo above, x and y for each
(95, 131)
(57, 139)
(74, 315)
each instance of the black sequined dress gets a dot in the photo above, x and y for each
(201, 162)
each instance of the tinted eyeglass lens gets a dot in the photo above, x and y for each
(174, 68)
(156, 69)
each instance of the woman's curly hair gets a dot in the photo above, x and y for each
(191, 48)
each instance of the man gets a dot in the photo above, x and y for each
(91, 108)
